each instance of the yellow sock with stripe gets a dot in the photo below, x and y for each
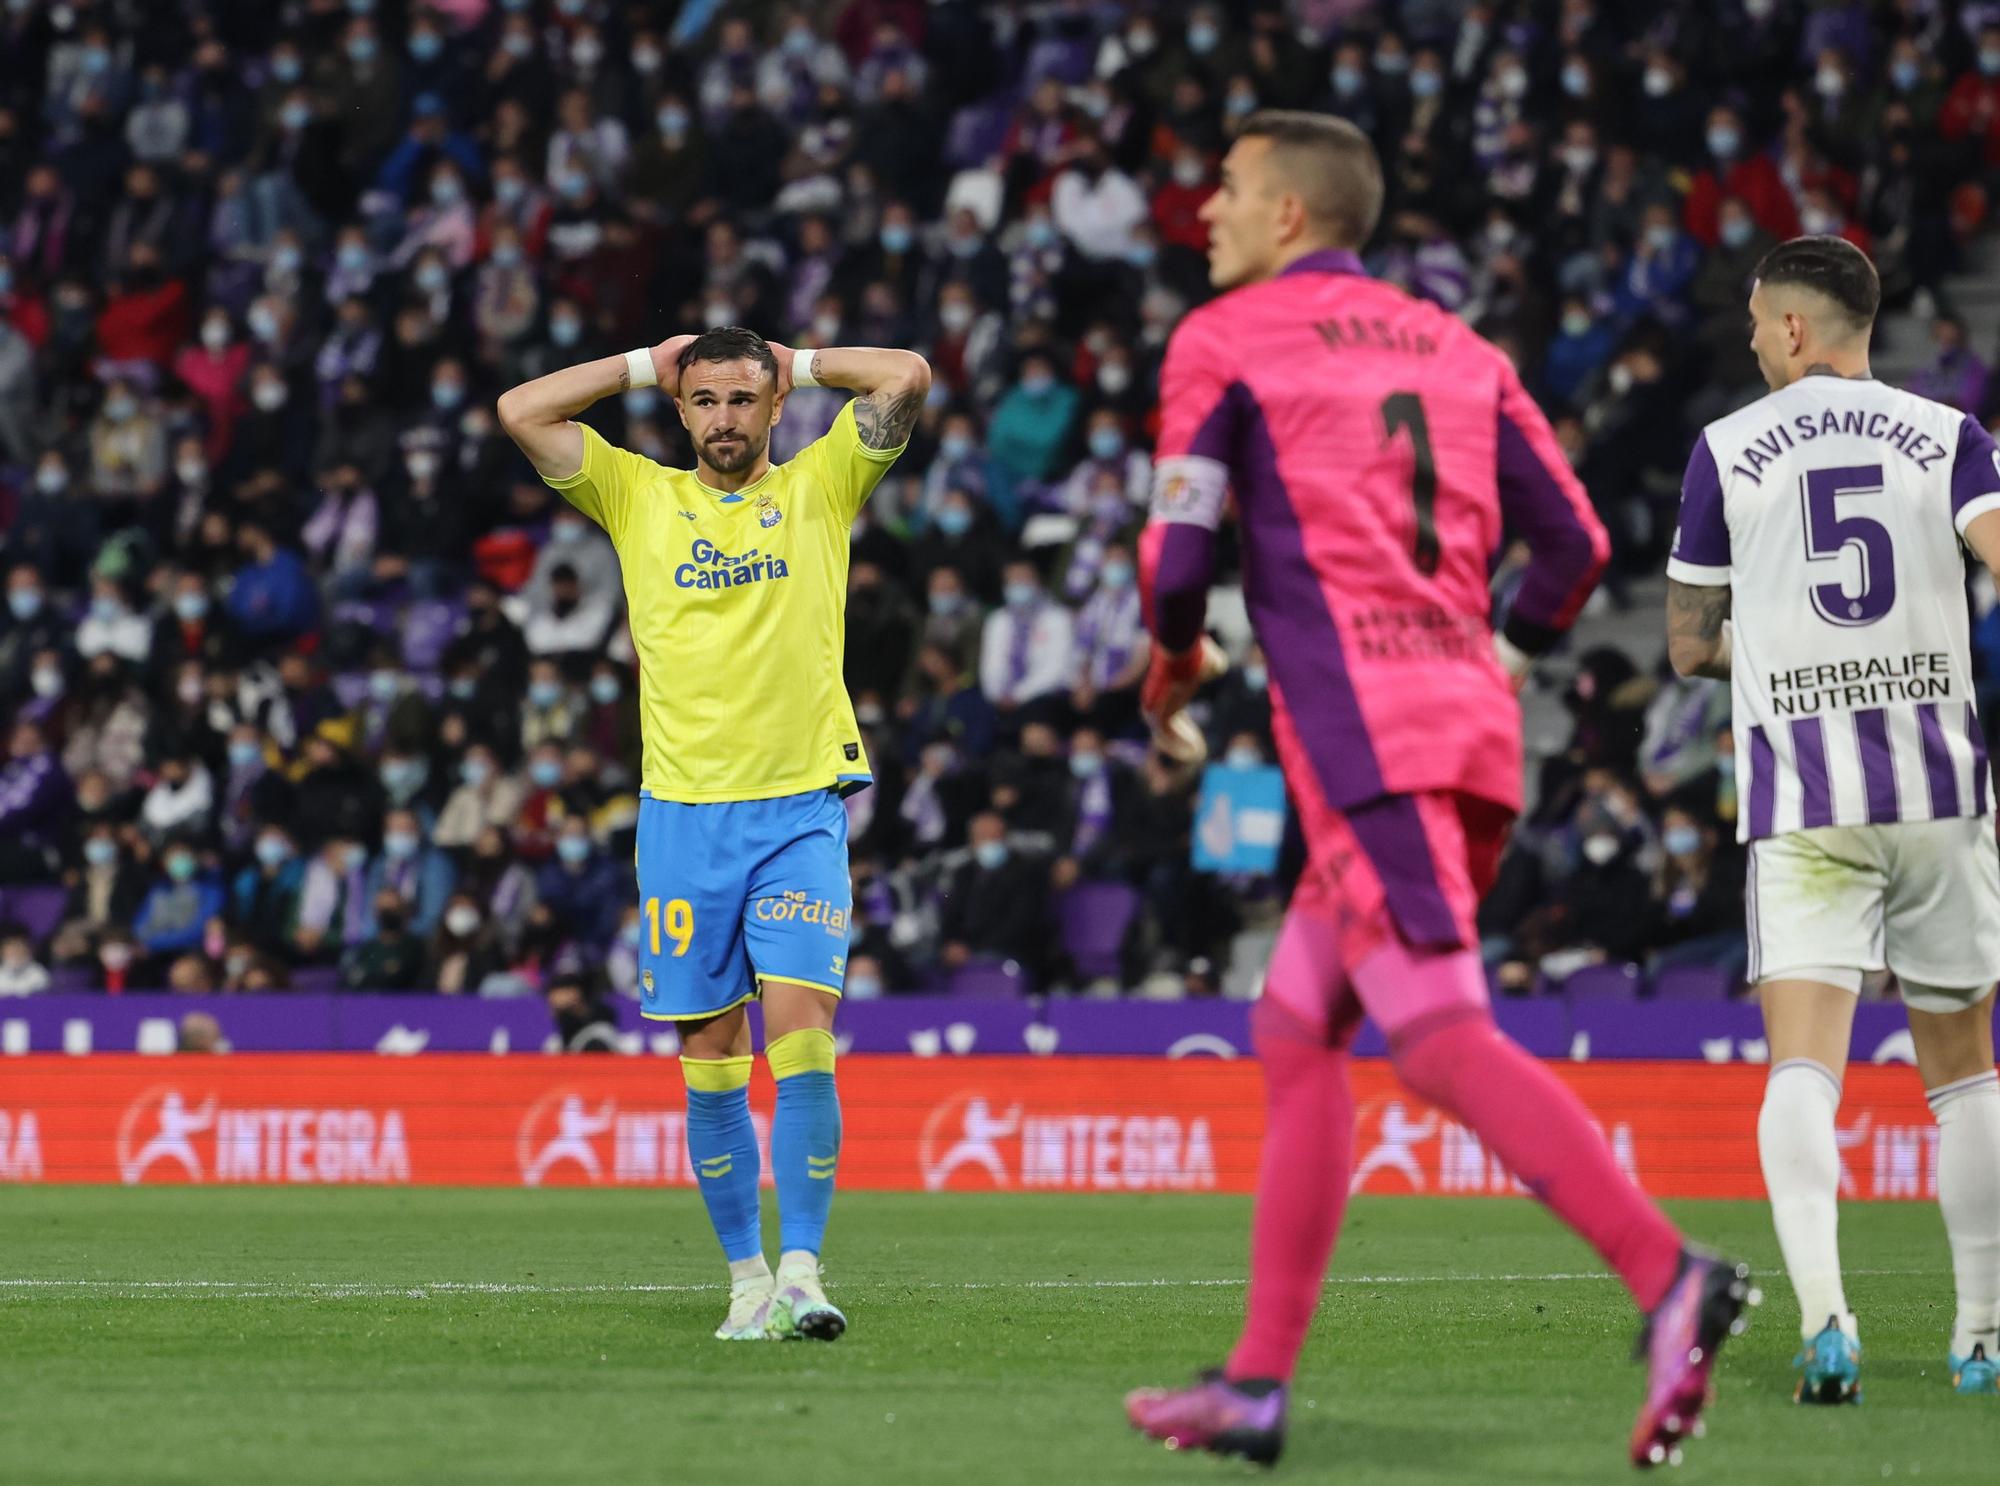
(723, 1144)
(805, 1136)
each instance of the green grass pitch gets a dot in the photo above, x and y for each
(297, 1337)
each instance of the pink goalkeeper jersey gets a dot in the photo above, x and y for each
(1376, 451)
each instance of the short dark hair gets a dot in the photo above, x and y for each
(1334, 168)
(729, 343)
(1831, 267)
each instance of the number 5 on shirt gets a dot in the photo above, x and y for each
(679, 920)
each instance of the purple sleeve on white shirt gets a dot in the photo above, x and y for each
(1975, 474)
(1702, 539)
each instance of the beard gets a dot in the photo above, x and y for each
(734, 458)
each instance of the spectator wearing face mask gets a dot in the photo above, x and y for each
(1241, 701)
(36, 800)
(549, 712)
(264, 900)
(463, 951)
(1111, 646)
(488, 643)
(963, 535)
(193, 630)
(1697, 898)
(30, 626)
(1735, 168)
(1097, 814)
(176, 912)
(486, 798)
(611, 726)
(574, 620)
(1719, 292)
(952, 620)
(669, 161)
(420, 876)
(1578, 351)
(1971, 113)
(333, 912)
(582, 887)
(580, 546)
(276, 433)
(1108, 451)
(391, 957)
(404, 770)
(958, 464)
(106, 886)
(996, 903)
(1660, 272)
(1029, 427)
(1028, 649)
(181, 802)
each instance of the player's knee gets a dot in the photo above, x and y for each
(716, 1075)
(808, 1050)
(1276, 1029)
(1433, 1054)
(723, 1036)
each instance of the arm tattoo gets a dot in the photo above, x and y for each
(1695, 615)
(624, 379)
(884, 419)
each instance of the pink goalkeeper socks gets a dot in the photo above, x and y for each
(1533, 1122)
(1301, 1190)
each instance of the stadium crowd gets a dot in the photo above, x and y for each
(312, 681)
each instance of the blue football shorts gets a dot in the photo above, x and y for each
(738, 892)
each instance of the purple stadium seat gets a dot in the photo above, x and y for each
(38, 909)
(1604, 983)
(1095, 917)
(316, 979)
(989, 980)
(70, 980)
(1694, 983)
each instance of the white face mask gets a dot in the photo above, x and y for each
(461, 920)
(1600, 850)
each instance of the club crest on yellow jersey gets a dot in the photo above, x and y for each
(713, 568)
(768, 514)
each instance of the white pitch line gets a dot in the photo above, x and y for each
(336, 1290)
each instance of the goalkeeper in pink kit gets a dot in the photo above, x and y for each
(1375, 451)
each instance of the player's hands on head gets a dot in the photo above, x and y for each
(667, 362)
(784, 355)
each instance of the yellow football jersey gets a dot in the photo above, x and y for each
(739, 614)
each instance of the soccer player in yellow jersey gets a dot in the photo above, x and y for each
(736, 578)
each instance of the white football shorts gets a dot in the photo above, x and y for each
(1920, 898)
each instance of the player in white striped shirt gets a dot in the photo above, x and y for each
(1818, 565)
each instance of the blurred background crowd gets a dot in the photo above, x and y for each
(310, 681)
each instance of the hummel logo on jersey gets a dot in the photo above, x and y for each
(688, 514)
(714, 568)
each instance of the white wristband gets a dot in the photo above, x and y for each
(639, 370)
(802, 369)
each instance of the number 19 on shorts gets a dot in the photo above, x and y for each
(679, 921)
